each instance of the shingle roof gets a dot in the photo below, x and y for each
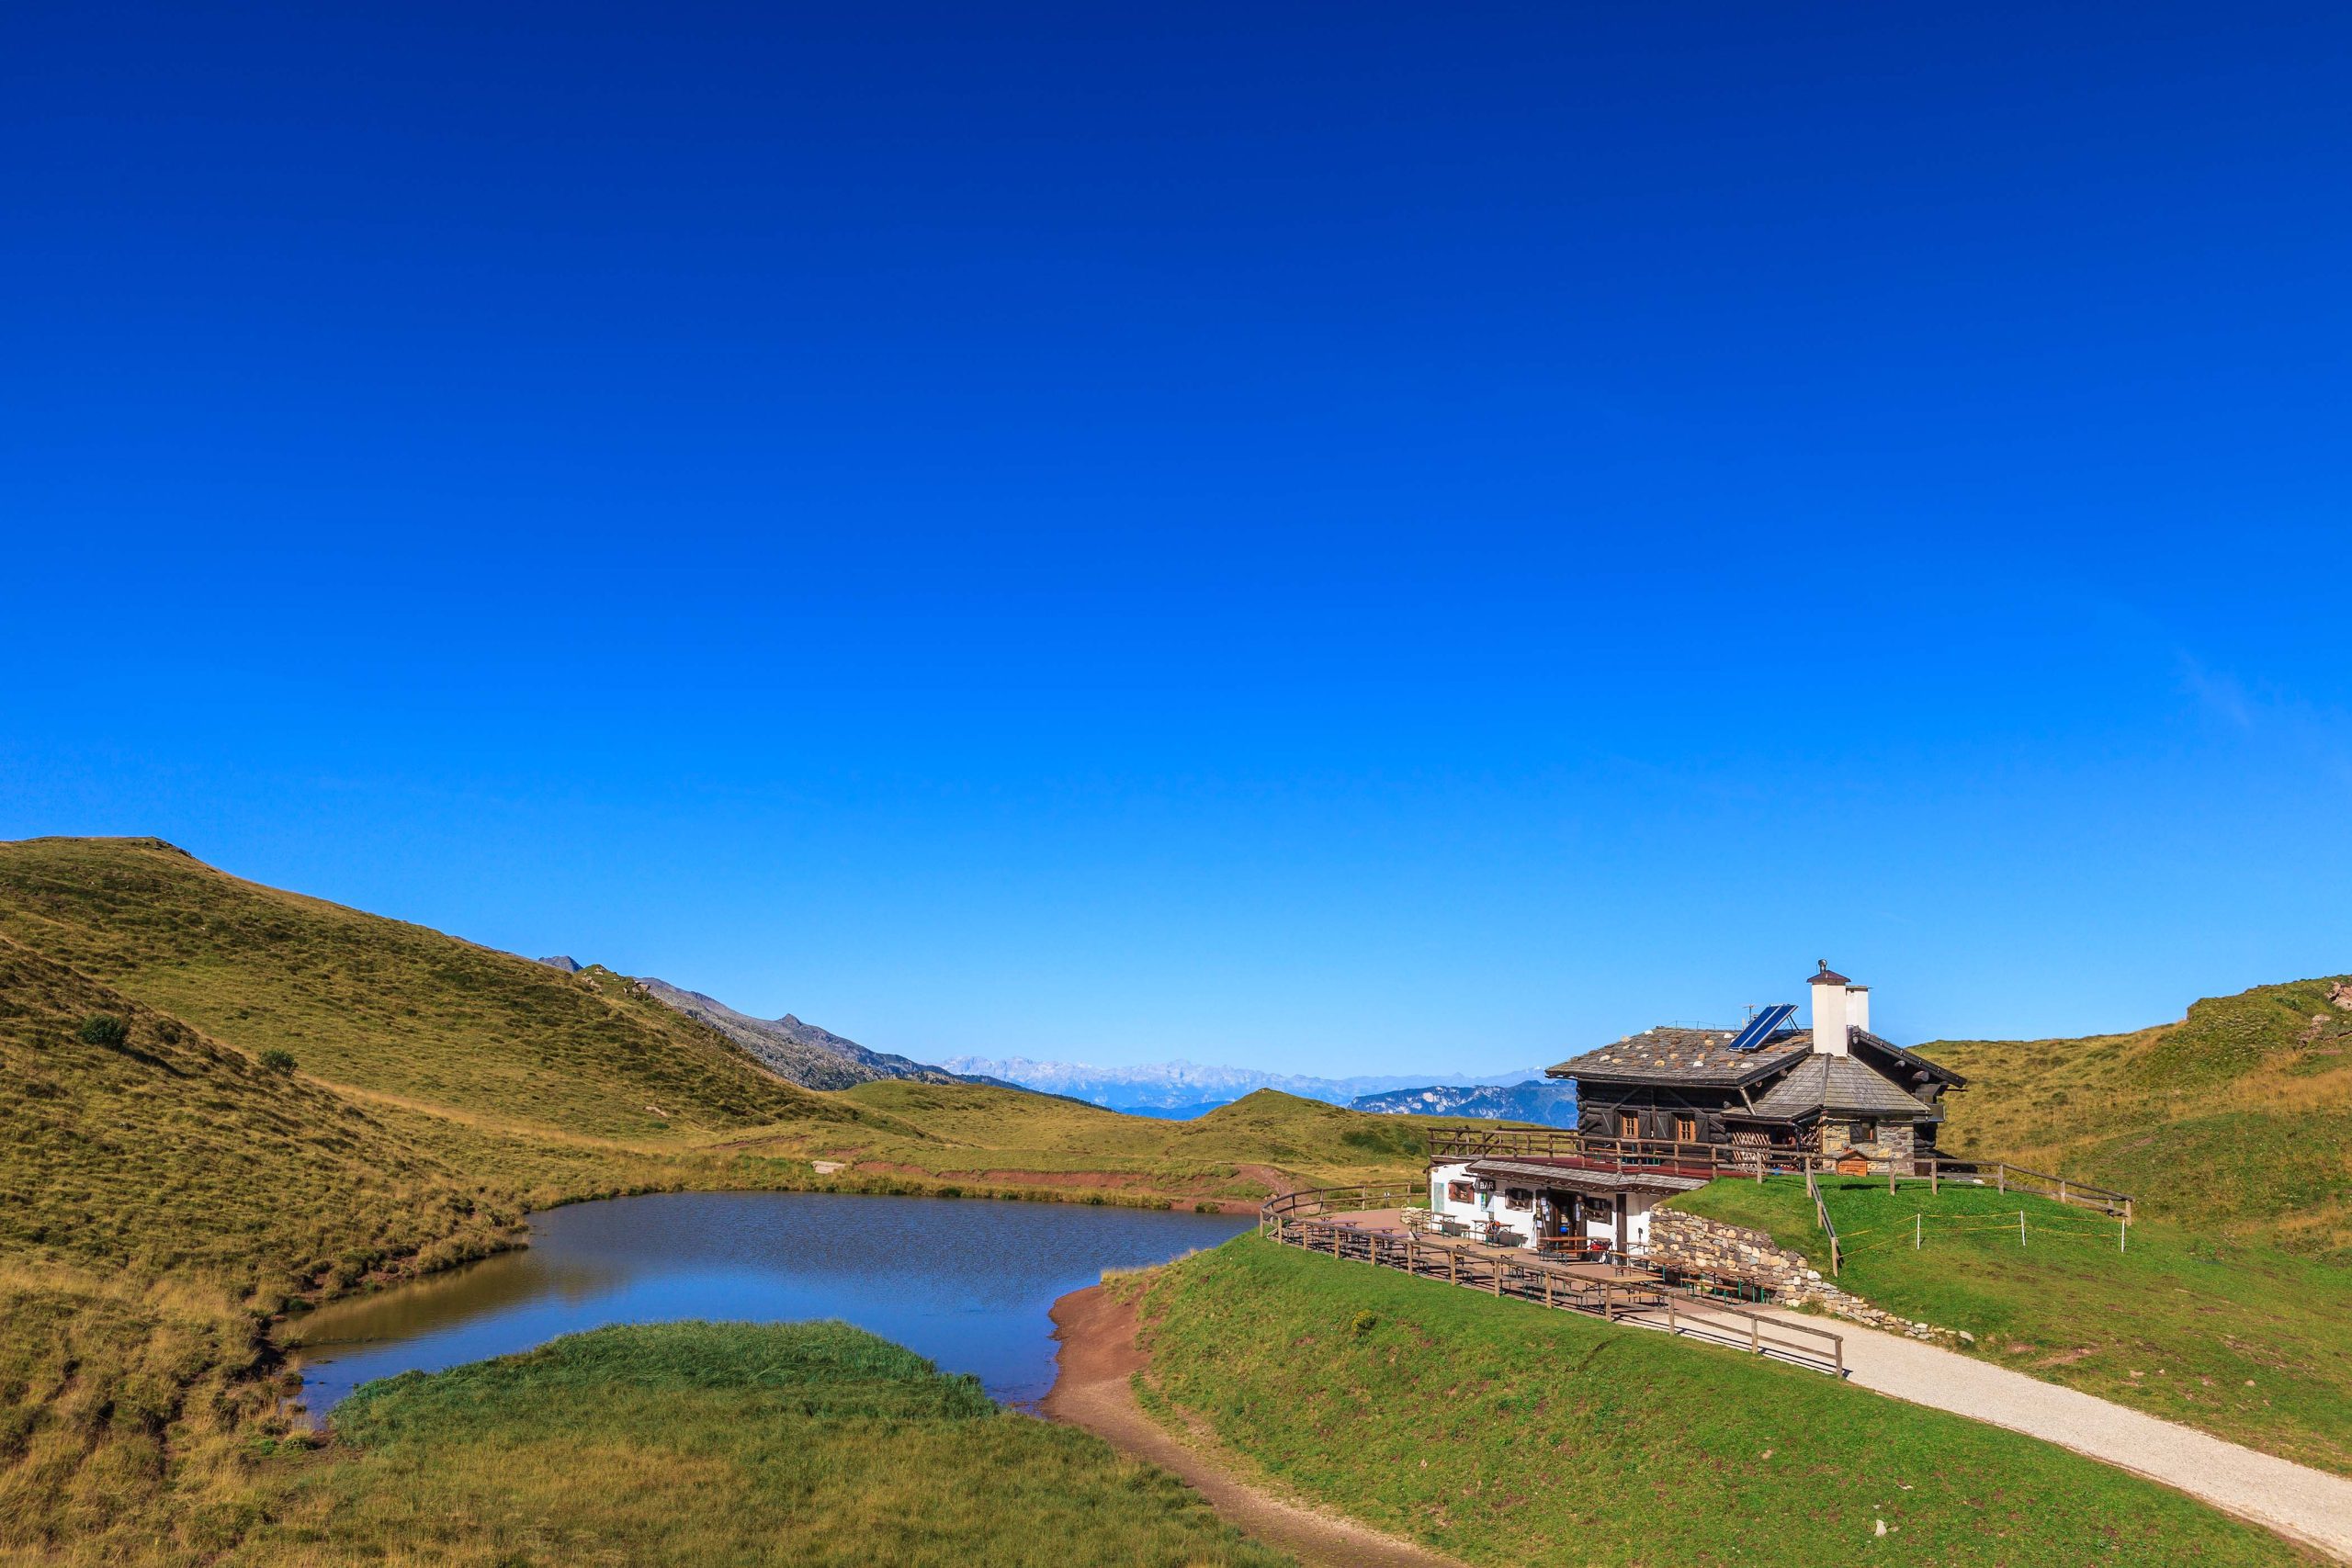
(1909, 1058)
(1687, 1057)
(1834, 1083)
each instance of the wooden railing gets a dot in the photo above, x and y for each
(1629, 1292)
(1660, 1157)
(1821, 1219)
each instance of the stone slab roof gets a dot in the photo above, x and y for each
(1838, 1083)
(1686, 1057)
(1703, 1058)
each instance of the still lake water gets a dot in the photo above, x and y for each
(967, 1282)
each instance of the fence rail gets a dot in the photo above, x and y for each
(1660, 1157)
(1305, 1219)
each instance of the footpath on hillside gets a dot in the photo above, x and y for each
(1097, 1334)
(2302, 1503)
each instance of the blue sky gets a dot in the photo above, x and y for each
(1343, 540)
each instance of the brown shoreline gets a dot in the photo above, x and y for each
(1097, 1354)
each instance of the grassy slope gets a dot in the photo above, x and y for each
(382, 1006)
(2244, 1341)
(693, 1444)
(159, 1201)
(1236, 1152)
(1505, 1433)
(2240, 1115)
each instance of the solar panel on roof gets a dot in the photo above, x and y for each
(1761, 1026)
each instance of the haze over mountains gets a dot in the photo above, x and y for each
(1181, 1086)
(814, 1058)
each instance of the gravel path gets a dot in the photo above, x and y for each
(2305, 1505)
(1097, 1354)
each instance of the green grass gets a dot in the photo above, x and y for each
(168, 1186)
(1508, 1433)
(2247, 1342)
(689, 1444)
(2237, 1118)
(382, 1006)
(1234, 1152)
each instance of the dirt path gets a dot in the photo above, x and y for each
(2305, 1505)
(1097, 1334)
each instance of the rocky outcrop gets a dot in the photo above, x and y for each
(1690, 1244)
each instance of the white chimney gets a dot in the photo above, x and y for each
(1829, 1018)
(1858, 1008)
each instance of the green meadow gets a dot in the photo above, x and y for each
(1505, 1433)
(699, 1445)
(2244, 1340)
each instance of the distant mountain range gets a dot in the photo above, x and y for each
(1552, 1104)
(818, 1059)
(1164, 1088)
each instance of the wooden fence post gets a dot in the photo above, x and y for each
(2001, 1177)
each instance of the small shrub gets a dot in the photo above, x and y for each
(1362, 1324)
(276, 1060)
(103, 1029)
(1206, 1207)
(1096, 1199)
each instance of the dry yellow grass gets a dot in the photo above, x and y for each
(2239, 1116)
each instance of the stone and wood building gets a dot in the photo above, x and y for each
(1666, 1110)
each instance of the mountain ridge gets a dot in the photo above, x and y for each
(808, 1055)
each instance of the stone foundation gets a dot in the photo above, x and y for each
(1736, 1255)
(1896, 1143)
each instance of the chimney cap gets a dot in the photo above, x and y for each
(1826, 976)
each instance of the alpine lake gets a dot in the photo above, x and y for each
(967, 1282)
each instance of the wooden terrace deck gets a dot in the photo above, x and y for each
(1373, 1232)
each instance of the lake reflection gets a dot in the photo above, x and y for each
(967, 1282)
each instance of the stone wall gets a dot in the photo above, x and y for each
(1736, 1255)
(1894, 1142)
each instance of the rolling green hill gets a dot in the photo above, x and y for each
(221, 1100)
(382, 1006)
(1236, 1154)
(2238, 1116)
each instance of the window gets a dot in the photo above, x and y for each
(1518, 1197)
(1459, 1192)
(1628, 1124)
(1864, 1132)
(1686, 1129)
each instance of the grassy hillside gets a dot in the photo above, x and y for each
(693, 1444)
(2238, 1116)
(2242, 1340)
(381, 1006)
(1508, 1433)
(220, 1098)
(1237, 1154)
(160, 1195)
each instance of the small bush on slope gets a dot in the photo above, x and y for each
(1506, 1433)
